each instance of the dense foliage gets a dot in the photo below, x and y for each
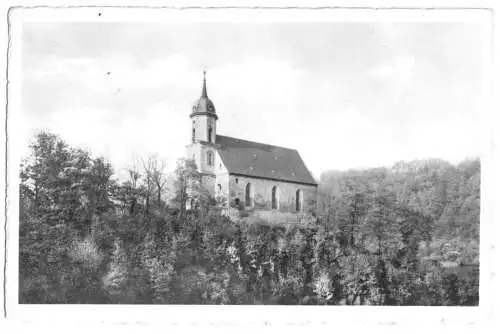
(405, 236)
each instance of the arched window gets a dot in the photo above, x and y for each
(209, 158)
(274, 198)
(210, 134)
(193, 134)
(298, 200)
(249, 195)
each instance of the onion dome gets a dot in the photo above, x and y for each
(203, 106)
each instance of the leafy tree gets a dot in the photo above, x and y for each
(408, 235)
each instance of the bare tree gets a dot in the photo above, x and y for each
(134, 176)
(159, 179)
(155, 179)
(148, 181)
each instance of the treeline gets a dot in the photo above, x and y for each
(381, 238)
(443, 198)
(418, 222)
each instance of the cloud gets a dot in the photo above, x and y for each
(257, 98)
(347, 139)
(114, 82)
(259, 77)
(243, 92)
(340, 108)
(399, 70)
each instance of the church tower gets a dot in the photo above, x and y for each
(203, 131)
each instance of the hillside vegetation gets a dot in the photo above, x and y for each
(402, 236)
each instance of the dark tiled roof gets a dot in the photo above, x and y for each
(264, 161)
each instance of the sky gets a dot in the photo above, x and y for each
(345, 95)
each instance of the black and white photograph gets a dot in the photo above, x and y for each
(249, 157)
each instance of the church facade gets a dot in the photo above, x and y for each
(249, 176)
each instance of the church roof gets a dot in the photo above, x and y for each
(258, 160)
(204, 105)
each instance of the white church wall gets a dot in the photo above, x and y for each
(262, 194)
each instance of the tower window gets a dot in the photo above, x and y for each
(210, 134)
(209, 158)
(193, 134)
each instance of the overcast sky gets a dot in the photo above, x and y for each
(345, 95)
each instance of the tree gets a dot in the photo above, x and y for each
(189, 186)
(61, 188)
(154, 171)
(115, 280)
(383, 238)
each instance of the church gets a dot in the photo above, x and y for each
(250, 176)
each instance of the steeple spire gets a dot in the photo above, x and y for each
(204, 105)
(204, 90)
